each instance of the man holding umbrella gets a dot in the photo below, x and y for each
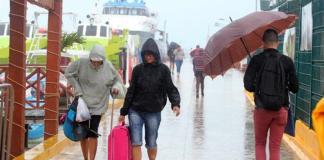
(171, 48)
(270, 75)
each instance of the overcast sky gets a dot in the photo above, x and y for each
(188, 21)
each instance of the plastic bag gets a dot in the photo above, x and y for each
(83, 113)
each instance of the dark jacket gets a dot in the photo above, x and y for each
(150, 85)
(256, 64)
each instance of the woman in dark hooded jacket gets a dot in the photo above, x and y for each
(146, 97)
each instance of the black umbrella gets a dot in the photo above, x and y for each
(173, 46)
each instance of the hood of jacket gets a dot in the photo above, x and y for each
(98, 51)
(151, 46)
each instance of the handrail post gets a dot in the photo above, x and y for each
(52, 70)
(6, 118)
(17, 71)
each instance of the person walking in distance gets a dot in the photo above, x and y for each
(198, 68)
(123, 63)
(179, 56)
(172, 59)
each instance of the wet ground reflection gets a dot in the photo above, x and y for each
(217, 126)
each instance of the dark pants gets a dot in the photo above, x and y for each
(172, 65)
(93, 125)
(200, 78)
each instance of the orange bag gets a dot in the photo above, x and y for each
(318, 122)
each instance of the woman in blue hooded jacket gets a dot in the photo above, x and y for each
(146, 97)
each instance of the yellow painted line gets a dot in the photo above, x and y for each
(250, 96)
(47, 149)
(295, 144)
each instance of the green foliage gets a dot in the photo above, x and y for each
(68, 40)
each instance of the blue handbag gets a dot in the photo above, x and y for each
(73, 130)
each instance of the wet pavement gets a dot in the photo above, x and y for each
(216, 126)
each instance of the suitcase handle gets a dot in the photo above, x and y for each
(112, 113)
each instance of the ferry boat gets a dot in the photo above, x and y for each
(119, 25)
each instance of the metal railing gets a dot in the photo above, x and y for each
(6, 114)
(35, 84)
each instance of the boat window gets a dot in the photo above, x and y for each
(141, 12)
(27, 31)
(138, 12)
(134, 12)
(80, 31)
(113, 11)
(124, 11)
(103, 31)
(2, 29)
(106, 10)
(91, 31)
(8, 30)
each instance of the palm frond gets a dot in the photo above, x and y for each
(68, 40)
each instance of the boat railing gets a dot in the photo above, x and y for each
(6, 114)
(35, 85)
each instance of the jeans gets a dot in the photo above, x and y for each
(151, 121)
(178, 64)
(263, 121)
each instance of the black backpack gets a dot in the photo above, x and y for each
(271, 83)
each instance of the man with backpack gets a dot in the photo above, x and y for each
(271, 76)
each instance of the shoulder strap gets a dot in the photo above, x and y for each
(283, 72)
(259, 75)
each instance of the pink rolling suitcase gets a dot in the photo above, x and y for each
(119, 144)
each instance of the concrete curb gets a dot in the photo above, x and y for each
(47, 149)
(292, 143)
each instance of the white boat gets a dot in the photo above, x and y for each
(114, 18)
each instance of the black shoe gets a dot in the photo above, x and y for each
(197, 95)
